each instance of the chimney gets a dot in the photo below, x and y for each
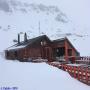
(18, 38)
(25, 37)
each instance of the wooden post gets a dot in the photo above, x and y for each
(82, 74)
(78, 73)
(86, 75)
(49, 54)
(73, 54)
(66, 50)
(75, 72)
(25, 53)
(65, 67)
(42, 55)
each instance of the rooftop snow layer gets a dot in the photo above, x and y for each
(16, 47)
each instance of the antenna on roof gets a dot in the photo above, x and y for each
(39, 28)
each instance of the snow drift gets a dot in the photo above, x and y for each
(36, 76)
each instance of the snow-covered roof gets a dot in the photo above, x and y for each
(69, 40)
(60, 39)
(28, 42)
(16, 47)
(38, 39)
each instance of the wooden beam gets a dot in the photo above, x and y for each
(66, 50)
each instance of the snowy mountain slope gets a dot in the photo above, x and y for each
(24, 16)
(14, 6)
(36, 76)
(14, 20)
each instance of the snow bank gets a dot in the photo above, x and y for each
(36, 76)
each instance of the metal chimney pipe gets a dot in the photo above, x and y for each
(18, 38)
(25, 37)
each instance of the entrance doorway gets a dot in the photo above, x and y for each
(59, 53)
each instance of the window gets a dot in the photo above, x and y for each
(43, 43)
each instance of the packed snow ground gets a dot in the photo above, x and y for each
(36, 76)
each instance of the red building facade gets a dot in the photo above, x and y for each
(42, 48)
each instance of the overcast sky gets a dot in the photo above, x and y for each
(78, 14)
(78, 11)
